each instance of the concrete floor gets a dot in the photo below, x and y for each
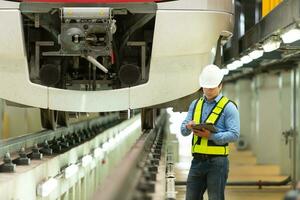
(242, 167)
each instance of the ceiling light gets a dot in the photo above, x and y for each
(256, 54)
(291, 36)
(237, 63)
(45, 188)
(231, 66)
(225, 71)
(271, 45)
(246, 59)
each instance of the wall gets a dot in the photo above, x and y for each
(266, 110)
(17, 121)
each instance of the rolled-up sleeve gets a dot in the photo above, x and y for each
(232, 126)
(185, 131)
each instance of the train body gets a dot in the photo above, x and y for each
(102, 56)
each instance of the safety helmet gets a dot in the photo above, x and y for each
(210, 77)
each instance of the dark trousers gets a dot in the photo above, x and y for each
(207, 173)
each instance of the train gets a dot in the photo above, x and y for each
(107, 55)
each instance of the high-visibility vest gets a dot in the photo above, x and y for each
(203, 145)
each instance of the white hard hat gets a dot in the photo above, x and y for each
(210, 77)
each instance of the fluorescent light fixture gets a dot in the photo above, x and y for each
(291, 36)
(225, 71)
(45, 188)
(86, 160)
(71, 170)
(246, 59)
(271, 45)
(237, 63)
(231, 66)
(256, 54)
(98, 153)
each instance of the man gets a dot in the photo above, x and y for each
(209, 168)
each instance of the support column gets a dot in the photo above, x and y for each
(243, 97)
(254, 116)
(286, 113)
(296, 124)
(230, 91)
(1, 118)
(268, 119)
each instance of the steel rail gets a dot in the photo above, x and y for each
(28, 141)
(127, 178)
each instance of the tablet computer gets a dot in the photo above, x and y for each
(206, 126)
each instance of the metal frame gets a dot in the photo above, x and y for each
(112, 144)
(126, 178)
(285, 15)
(46, 7)
(27, 141)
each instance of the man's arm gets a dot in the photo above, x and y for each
(184, 130)
(232, 124)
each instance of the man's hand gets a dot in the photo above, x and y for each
(190, 124)
(202, 133)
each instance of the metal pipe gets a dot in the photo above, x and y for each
(94, 84)
(85, 13)
(96, 63)
(126, 177)
(90, 76)
(259, 183)
(295, 84)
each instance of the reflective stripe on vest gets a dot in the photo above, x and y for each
(212, 118)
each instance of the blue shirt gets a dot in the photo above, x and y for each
(228, 125)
